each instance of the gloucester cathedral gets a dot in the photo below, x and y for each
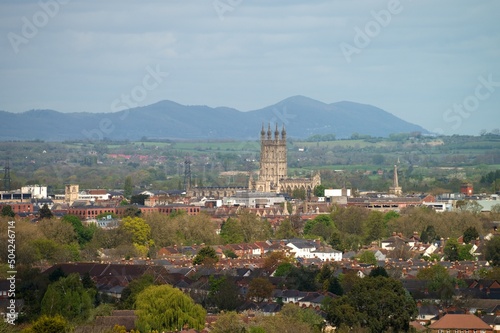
(273, 169)
(273, 166)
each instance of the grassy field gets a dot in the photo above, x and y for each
(357, 144)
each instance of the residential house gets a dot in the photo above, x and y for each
(289, 295)
(427, 313)
(460, 323)
(315, 300)
(303, 248)
(394, 241)
(493, 321)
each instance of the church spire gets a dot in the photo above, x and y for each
(395, 178)
(283, 133)
(395, 188)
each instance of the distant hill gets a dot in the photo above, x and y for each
(302, 117)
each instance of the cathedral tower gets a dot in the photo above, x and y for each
(273, 159)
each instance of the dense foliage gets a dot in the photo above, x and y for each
(167, 308)
(378, 303)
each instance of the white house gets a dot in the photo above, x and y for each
(307, 249)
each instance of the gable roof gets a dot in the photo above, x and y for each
(460, 321)
(302, 243)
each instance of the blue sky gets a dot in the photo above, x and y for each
(433, 63)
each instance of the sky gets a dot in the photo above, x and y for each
(432, 63)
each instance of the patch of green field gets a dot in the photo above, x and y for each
(222, 146)
(156, 144)
(357, 144)
(339, 168)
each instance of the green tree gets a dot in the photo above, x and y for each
(464, 252)
(140, 232)
(139, 199)
(132, 211)
(302, 278)
(283, 269)
(451, 250)
(7, 211)
(260, 289)
(223, 293)
(319, 191)
(470, 234)
(280, 323)
(60, 233)
(391, 215)
(127, 188)
(206, 255)
(84, 234)
(439, 281)
(492, 251)
(334, 286)
(321, 225)
(285, 230)
(428, 235)
(44, 249)
(378, 271)
(31, 287)
(338, 242)
(293, 312)
(57, 274)
(134, 288)
(299, 193)
(230, 254)
(377, 303)
(91, 288)
(367, 257)
(165, 308)
(231, 231)
(329, 281)
(49, 324)
(350, 220)
(67, 297)
(375, 226)
(229, 322)
(253, 227)
(45, 212)
(275, 259)
(340, 312)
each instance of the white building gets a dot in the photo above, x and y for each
(307, 249)
(37, 191)
(439, 206)
(253, 199)
(337, 192)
